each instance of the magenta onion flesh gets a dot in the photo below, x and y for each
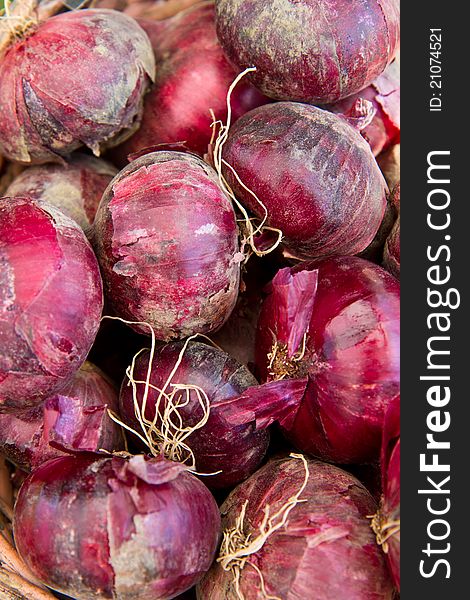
(314, 52)
(237, 450)
(387, 525)
(384, 93)
(325, 551)
(166, 239)
(74, 187)
(333, 325)
(77, 79)
(74, 420)
(107, 528)
(193, 78)
(314, 173)
(50, 301)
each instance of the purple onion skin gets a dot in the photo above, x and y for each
(314, 52)
(107, 528)
(74, 187)
(392, 250)
(51, 300)
(193, 76)
(294, 561)
(314, 173)
(237, 451)
(75, 419)
(77, 79)
(384, 93)
(390, 462)
(351, 359)
(166, 238)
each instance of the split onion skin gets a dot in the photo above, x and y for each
(235, 450)
(74, 420)
(77, 79)
(74, 187)
(351, 365)
(51, 300)
(103, 528)
(319, 553)
(193, 78)
(166, 239)
(309, 51)
(313, 172)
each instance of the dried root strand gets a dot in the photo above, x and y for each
(283, 366)
(383, 529)
(249, 230)
(237, 546)
(165, 435)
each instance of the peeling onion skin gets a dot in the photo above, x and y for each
(294, 562)
(384, 93)
(115, 528)
(351, 361)
(78, 79)
(166, 238)
(193, 76)
(74, 187)
(390, 505)
(51, 300)
(237, 451)
(314, 173)
(309, 51)
(75, 419)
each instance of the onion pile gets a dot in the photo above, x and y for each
(53, 103)
(314, 175)
(229, 453)
(193, 78)
(314, 52)
(50, 301)
(74, 420)
(324, 550)
(108, 527)
(332, 328)
(74, 187)
(166, 238)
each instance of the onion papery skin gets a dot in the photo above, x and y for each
(313, 172)
(74, 187)
(108, 528)
(74, 420)
(351, 359)
(193, 78)
(392, 250)
(390, 463)
(78, 79)
(318, 555)
(235, 450)
(51, 300)
(314, 52)
(384, 93)
(166, 238)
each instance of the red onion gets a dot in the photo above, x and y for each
(384, 93)
(76, 79)
(237, 450)
(193, 77)
(74, 187)
(386, 523)
(324, 551)
(333, 326)
(75, 419)
(389, 163)
(392, 250)
(166, 238)
(115, 528)
(316, 52)
(50, 301)
(315, 175)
